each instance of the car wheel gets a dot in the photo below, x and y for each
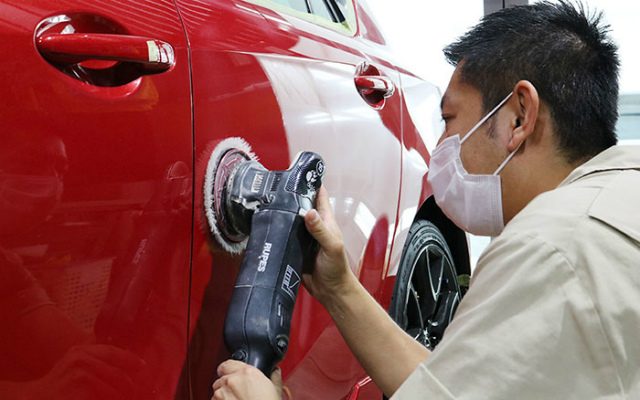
(426, 292)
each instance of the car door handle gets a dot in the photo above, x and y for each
(372, 85)
(369, 84)
(152, 55)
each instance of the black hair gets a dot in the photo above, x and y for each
(564, 52)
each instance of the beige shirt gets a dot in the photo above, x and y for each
(553, 310)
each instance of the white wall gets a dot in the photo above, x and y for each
(418, 30)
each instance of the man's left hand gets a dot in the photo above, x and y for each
(243, 382)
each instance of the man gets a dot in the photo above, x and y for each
(553, 308)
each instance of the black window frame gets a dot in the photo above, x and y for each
(495, 5)
(333, 9)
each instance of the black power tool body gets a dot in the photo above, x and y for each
(269, 208)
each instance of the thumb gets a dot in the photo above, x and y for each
(276, 378)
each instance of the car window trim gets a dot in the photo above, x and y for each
(348, 27)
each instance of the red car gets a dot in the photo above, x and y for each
(110, 284)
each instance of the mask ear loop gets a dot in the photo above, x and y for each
(485, 118)
(509, 157)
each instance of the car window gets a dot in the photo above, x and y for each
(338, 15)
(298, 5)
(319, 8)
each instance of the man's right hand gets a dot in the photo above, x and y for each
(352, 307)
(331, 273)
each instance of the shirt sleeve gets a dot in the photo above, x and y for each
(522, 331)
(422, 384)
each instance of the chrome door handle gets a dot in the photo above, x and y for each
(151, 54)
(373, 86)
(368, 85)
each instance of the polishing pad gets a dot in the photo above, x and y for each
(224, 160)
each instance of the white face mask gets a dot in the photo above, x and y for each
(473, 202)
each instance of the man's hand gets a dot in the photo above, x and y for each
(243, 382)
(387, 353)
(331, 272)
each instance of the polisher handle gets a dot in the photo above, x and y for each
(259, 316)
(305, 174)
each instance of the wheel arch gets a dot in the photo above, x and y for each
(455, 237)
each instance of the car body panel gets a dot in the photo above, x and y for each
(231, 97)
(296, 81)
(361, 147)
(117, 244)
(421, 130)
(96, 214)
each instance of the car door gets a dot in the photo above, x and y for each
(287, 80)
(96, 170)
(361, 142)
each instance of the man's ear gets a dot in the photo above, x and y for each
(526, 113)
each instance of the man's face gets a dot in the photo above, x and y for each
(462, 108)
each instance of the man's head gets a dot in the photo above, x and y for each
(563, 70)
(564, 53)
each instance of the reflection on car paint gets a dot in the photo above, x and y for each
(108, 274)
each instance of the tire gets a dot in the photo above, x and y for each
(426, 292)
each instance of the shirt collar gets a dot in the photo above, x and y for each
(619, 157)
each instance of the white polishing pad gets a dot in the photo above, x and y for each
(232, 143)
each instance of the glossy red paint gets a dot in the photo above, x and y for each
(111, 284)
(96, 213)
